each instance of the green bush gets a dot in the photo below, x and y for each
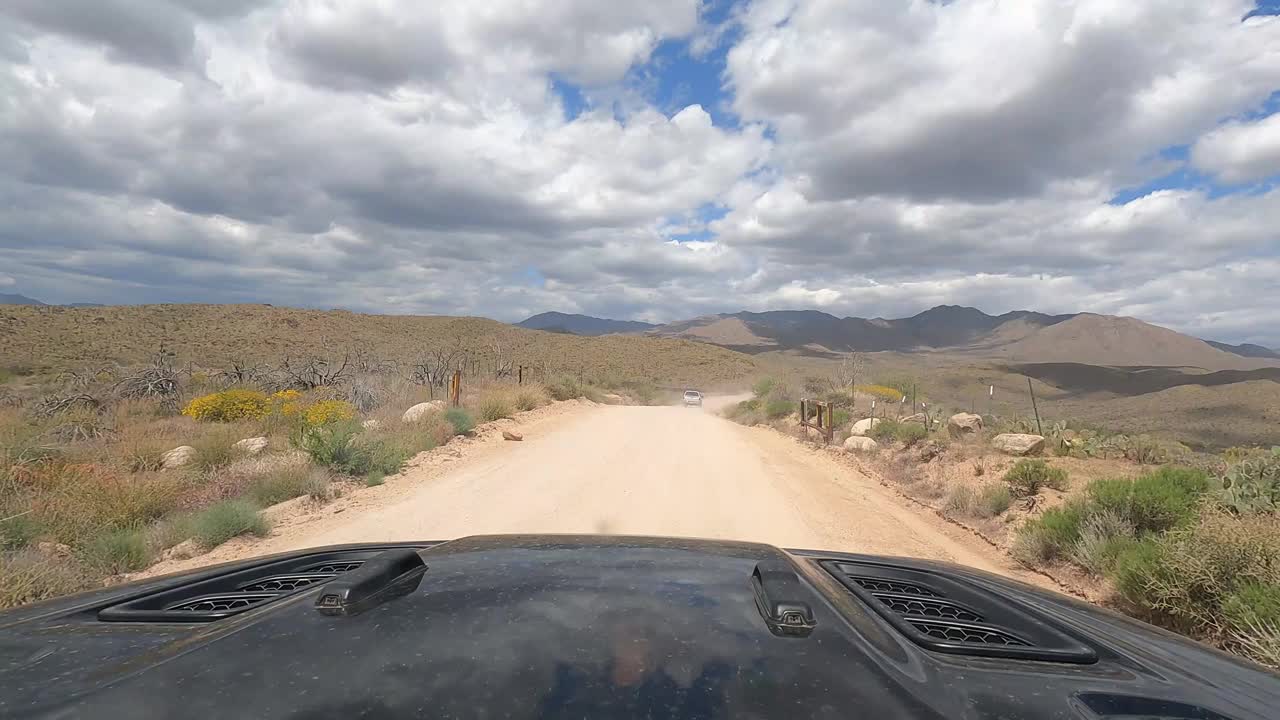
(461, 420)
(910, 434)
(1184, 578)
(778, 408)
(334, 446)
(1157, 501)
(1252, 604)
(337, 446)
(374, 478)
(840, 418)
(118, 551)
(884, 431)
(1052, 535)
(763, 387)
(219, 523)
(1027, 477)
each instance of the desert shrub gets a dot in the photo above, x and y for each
(337, 446)
(1027, 477)
(567, 387)
(79, 502)
(327, 412)
(994, 500)
(910, 433)
(1157, 501)
(495, 406)
(1145, 451)
(219, 523)
(287, 482)
(778, 408)
(884, 431)
(961, 500)
(1104, 536)
(747, 412)
(979, 467)
(528, 398)
(1251, 483)
(987, 501)
(1216, 580)
(374, 478)
(228, 406)
(28, 576)
(840, 418)
(460, 420)
(214, 450)
(287, 403)
(118, 551)
(18, 528)
(1252, 604)
(1052, 535)
(763, 387)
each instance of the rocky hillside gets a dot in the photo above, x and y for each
(214, 335)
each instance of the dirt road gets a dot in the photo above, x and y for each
(651, 471)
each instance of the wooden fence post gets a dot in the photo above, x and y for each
(455, 389)
(1035, 407)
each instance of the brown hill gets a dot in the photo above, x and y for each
(214, 335)
(1120, 341)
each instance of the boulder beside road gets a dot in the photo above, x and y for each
(509, 435)
(962, 424)
(1018, 444)
(857, 443)
(251, 446)
(862, 427)
(419, 411)
(177, 457)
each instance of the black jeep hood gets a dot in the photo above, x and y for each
(576, 627)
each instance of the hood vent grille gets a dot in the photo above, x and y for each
(945, 614)
(216, 596)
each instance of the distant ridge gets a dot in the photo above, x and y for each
(18, 300)
(1019, 336)
(1246, 350)
(582, 324)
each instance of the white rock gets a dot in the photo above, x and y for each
(1018, 444)
(857, 443)
(964, 424)
(419, 411)
(177, 457)
(509, 435)
(862, 427)
(251, 446)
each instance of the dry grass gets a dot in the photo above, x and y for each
(28, 576)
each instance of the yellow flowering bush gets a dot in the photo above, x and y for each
(328, 411)
(287, 402)
(229, 405)
(880, 391)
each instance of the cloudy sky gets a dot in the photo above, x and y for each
(653, 160)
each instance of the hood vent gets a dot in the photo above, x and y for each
(945, 614)
(220, 596)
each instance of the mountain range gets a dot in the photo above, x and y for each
(583, 324)
(1019, 336)
(9, 299)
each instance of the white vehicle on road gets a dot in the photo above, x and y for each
(692, 398)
